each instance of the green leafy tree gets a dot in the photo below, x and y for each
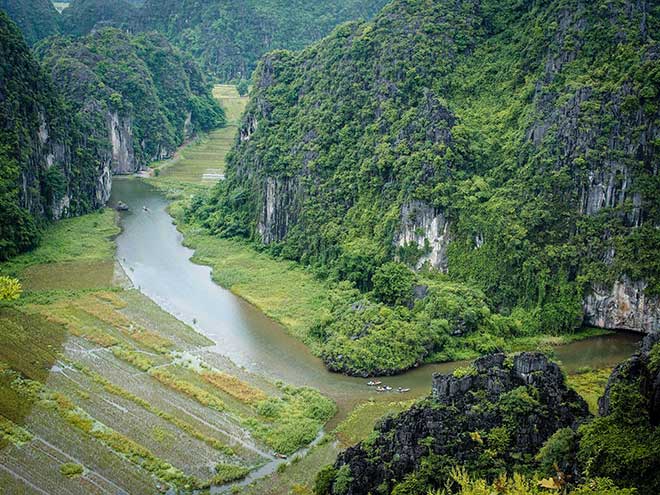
(10, 289)
(393, 284)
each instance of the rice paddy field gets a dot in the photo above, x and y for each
(102, 392)
(202, 162)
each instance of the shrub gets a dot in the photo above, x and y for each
(71, 470)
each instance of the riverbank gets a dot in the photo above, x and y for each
(95, 375)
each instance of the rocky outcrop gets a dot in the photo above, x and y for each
(640, 371)
(427, 229)
(278, 211)
(519, 401)
(625, 306)
(121, 140)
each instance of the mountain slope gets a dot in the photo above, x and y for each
(137, 97)
(37, 19)
(227, 38)
(46, 170)
(513, 145)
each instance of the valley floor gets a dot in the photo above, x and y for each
(103, 392)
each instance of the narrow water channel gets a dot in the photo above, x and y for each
(151, 252)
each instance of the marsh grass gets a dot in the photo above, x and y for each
(360, 422)
(590, 384)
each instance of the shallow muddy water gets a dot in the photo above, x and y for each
(151, 252)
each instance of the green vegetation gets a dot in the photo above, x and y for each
(522, 485)
(472, 127)
(590, 384)
(624, 445)
(33, 122)
(288, 423)
(226, 39)
(360, 422)
(37, 19)
(10, 289)
(139, 82)
(71, 470)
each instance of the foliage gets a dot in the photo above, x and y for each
(459, 106)
(521, 485)
(10, 289)
(226, 38)
(145, 82)
(624, 445)
(71, 470)
(393, 284)
(37, 19)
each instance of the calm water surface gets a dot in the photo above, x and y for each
(151, 252)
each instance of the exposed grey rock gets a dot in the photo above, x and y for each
(445, 425)
(428, 229)
(624, 306)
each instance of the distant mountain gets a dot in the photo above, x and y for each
(226, 37)
(36, 18)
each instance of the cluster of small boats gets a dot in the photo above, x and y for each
(386, 388)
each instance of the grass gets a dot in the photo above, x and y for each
(360, 422)
(234, 387)
(187, 388)
(203, 161)
(590, 384)
(85, 239)
(282, 290)
(71, 470)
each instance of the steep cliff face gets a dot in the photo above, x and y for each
(495, 415)
(624, 306)
(138, 97)
(46, 170)
(512, 145)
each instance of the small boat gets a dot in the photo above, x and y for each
(403, 390)
(374, 383)
(380, 389)
(145, 208)
(388, 388)
(121, 206)
(280, 456)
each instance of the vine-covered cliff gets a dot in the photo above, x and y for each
(138, 98)
(512, 145)
(46, 169)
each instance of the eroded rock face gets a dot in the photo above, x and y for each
(277, 213)
(525, 396)
(121, 139)
(624, 306)
(428, 229)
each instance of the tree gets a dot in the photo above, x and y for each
(393, 284)
(10, 289)
(243, 87)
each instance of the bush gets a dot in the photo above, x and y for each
(393, 284)
(10, 289)
(71, 470)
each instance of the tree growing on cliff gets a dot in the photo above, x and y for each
(393, 284)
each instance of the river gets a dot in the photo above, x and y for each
(151, 252)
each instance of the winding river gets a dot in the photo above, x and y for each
(151, 252)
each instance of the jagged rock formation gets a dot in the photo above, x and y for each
(493, 416)
(137, 96)
(428, 229)
(529, 154)
(47, 170)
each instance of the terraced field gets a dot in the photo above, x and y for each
(101, 392)
(203, 161)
